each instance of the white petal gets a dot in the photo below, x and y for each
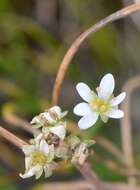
(35, 120)
(51, 153)
(44, 147)
(63, 114)
(28, 162)
(117, 100)
(39, 173)
(56, 109)
(59, 130)
(84, 91)
(116, 113)
(87, 121)
(82, 109)
(39, 137)
(48, 171)
(49, 118)
(27, 149)
(106, 86)
(31, 172)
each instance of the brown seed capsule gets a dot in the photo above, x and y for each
(53, 139)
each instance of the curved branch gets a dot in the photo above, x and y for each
(75, 46)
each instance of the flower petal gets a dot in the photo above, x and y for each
(82, 109)
(116, 113)
(56, 109)
(63, 114)
(106, 86)
(28, 162)
(48, 171)
(51, 153)
(31, 172)
(88, 120)
(44, 147)
(27, 149)
(35, 120)
(84, 91)
(117, 100)
(49, 118)
(39, 173)
(59, 130)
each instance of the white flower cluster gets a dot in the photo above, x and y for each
(54, 142)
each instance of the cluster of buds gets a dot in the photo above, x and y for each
(53, 144)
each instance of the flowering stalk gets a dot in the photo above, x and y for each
(75, 46)
(78, 42)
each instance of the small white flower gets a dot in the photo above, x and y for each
(102, 103)
(50, 117)
(51, 122)
(58, 129)
(38, 158)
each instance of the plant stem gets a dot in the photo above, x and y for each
(90, 176)
(12, 138)
(76, 44)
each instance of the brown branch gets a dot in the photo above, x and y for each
(126, 128)
(12, 138)
(90, 176)
(75, 46)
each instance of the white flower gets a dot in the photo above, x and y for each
(102, 104)
(54, 114)
(51, 122)
(58, 129)
(50, 117)
(38, 158)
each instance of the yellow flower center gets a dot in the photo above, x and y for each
(39, 158)
(100, 106)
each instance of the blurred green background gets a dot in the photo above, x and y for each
(34, 36)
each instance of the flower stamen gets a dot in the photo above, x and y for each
(100, 106)
(39, 158)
